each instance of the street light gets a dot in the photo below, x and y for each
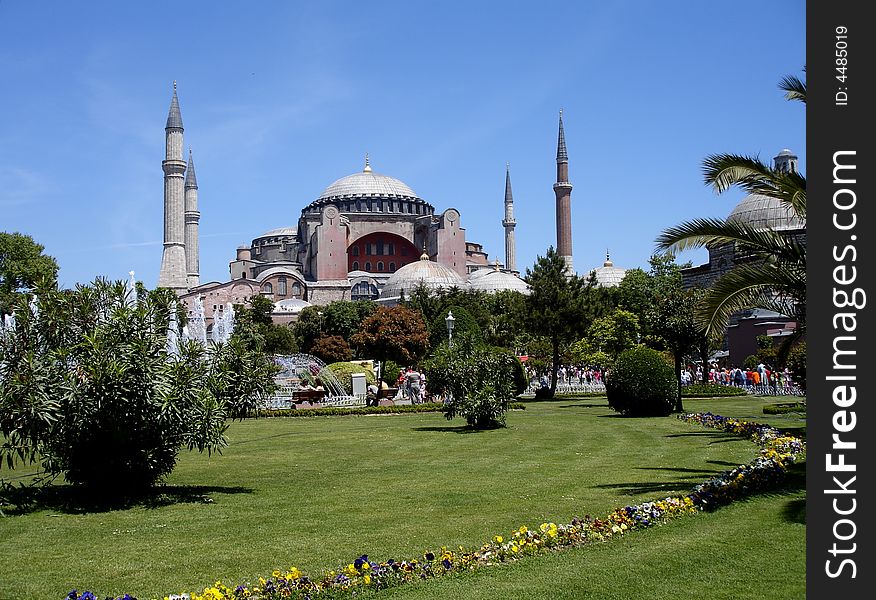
(449, 320)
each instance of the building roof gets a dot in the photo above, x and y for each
(608, 275)
(191, 179)
(762, 212)
(431, 274)
(367, 184)
(279, 232)
(496, 281)
(291, 305)
(281, 270)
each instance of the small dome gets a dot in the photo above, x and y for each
(431, 274)
(291, 305)
(497, 281)
(762, 212)
(608, 275)
(279, 232)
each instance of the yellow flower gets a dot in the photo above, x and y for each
(293, 573)
(499, 540)
(367, 579)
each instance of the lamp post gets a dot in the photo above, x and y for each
(449, 320)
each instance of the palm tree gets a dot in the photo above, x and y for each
(772, 271)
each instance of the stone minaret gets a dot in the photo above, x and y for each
(173, 261)
(509, 223)
(192, 218)
(563, 191)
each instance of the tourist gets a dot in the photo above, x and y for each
(413, 383)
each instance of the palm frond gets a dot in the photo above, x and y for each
(699, 233)
(794, 88)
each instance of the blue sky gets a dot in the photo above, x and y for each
(279, 99)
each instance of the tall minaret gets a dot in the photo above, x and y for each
(173, 261)
(192, 218)
(563, 190)
(509, 223)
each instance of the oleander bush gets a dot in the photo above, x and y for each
(641, 384)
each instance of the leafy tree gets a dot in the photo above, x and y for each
(23, 266)
(555, 307)
(87, 388)
(773, 275)
(464, 324)
(607, 337)
(506, 309)
(308, 327)
(673, 319)
(394, 333)
(254, 328)
(343, 318)
(331, 349)
(797, 364)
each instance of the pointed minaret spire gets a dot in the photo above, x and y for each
(174, 117)
(192, 225)
(509, 223)
(563, 191)
(562, 156)
(191, 179)
(173, 274)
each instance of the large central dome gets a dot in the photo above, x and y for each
(367, 184)
(367, 192)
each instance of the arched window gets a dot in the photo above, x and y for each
(368, 267)
(392, 267)
(355, 265)
(364, 290)
(267, 288)
(296, 290)
(243, 275)
(281, 286)
(380, 267)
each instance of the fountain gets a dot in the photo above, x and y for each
(131, 290)
(173, 333)
(299, 370)
(197, 325)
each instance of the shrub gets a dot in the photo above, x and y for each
(642, 383)
(89, 390)
(711, 390)
(344, 372)
(478, 382)
(389, 372)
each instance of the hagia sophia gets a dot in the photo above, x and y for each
(370, 236)
(367, 236)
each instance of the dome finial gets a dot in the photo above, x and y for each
(174, 85)
(367, 168)
(496, 266)
(424, 255)
(607, 262)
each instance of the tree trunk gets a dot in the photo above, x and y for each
(678, 406)
(556, 366)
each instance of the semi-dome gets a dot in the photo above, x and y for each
(494, 280)
(430, 274)
(608, 275)
(762, 212)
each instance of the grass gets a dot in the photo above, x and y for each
(315, 493)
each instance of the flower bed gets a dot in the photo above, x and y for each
(778, 451)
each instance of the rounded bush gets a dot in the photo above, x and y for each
(344, 370)
(641, 384)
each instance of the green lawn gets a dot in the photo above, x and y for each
(316, 493)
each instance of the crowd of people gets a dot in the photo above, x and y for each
(763, 375)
